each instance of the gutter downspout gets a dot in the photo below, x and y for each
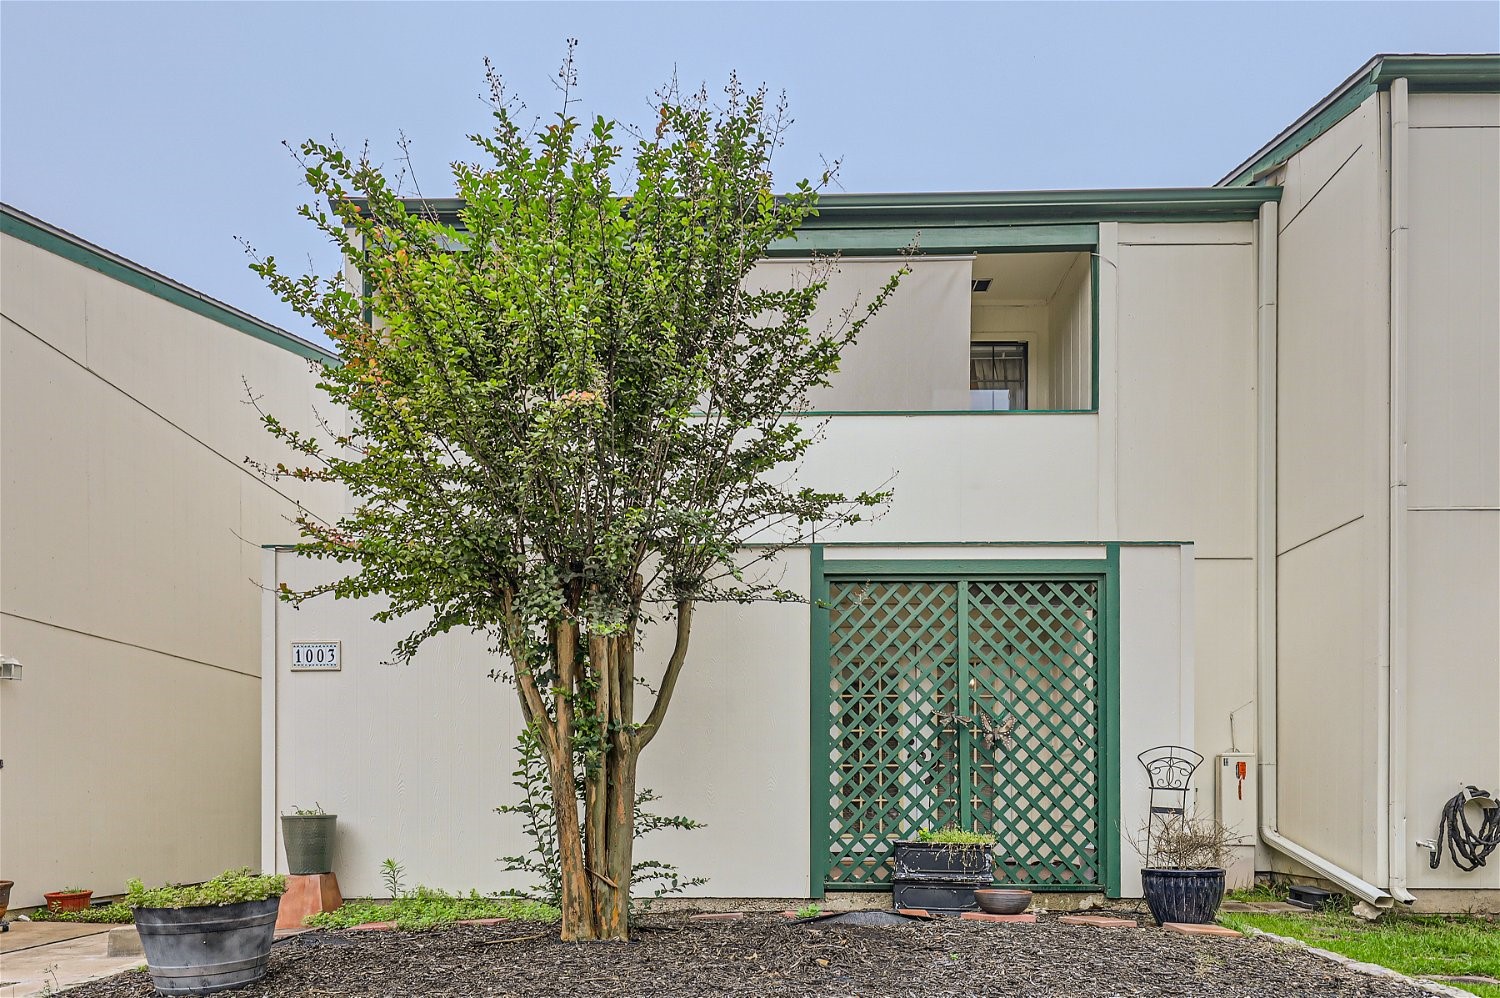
(1397, 553)
(1265, 568)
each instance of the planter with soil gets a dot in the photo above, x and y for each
(941, 871)
(209, 937)
(308, 838)
(68, 899)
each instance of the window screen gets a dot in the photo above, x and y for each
(997, 376)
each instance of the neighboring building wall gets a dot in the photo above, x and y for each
(1332, 370)
(129, 526)
(1453, 482)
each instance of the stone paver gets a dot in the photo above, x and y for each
(983, 916)
(1186, 929)
(40, 955)
(124, 940)
(1100, 921)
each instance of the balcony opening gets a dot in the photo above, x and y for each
(1031, 333)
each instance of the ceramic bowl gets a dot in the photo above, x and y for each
(1003, 902)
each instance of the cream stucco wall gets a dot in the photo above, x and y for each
(1453, 467)
(129, 577)
(414, 758)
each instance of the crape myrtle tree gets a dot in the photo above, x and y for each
(567, 413)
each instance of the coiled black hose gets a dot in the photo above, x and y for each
(1470, 848)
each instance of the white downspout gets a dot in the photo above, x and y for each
(1398, 665)
(1265, 567)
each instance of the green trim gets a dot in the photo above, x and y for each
(1111, 739)
(818, 747)
(966, 567)
(1478, 73)
(934, 238)
(1094, 346)
(32, 230)
(815, 414)
(1423, 73)
(1106, 571)
(950, 544)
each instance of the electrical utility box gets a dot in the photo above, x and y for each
(1236, 807)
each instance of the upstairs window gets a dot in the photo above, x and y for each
(997, 376)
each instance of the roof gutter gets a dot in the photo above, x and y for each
(1265, 566)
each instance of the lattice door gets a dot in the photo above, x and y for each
(968, 702)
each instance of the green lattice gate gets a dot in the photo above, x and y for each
(969, 701)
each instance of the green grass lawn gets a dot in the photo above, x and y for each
(1411, 944)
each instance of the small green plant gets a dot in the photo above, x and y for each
(316, 811)
(229, 887)
(953, 835)
(117, 913)
(427, 908)
(650, 879)
(810, 911)
(390, 873)
(52, 986)
(74, 890)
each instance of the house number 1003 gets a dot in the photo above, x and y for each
(315, 656)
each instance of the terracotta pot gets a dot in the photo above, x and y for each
(5, 886)
(68, 900)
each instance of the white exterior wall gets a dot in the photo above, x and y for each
(1333, 366)
(1453, 467)
(129, 592)
(415, 758)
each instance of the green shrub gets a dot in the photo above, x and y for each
(953, 835)
(117, 913)
(427, 908)
(811, 911)
(229, 887)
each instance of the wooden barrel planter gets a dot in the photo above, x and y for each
(207, 948)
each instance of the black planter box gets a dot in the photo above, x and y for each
(936, 898)
(934, 862)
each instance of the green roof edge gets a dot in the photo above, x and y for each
(1469, 73)
(43, 235)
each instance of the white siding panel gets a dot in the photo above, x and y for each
(1453, 431)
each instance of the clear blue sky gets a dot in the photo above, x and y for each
(155, 129)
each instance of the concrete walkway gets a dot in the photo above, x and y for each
(35, 956)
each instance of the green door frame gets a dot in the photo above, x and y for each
(1106, 570)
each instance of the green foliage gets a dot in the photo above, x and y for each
(316, 811)
(426, 908)
(953, 835)
(117, 913)
(810, 911)
(229, 887)
(574, 404)
(1409, 943)
(390, 873)
(564, 407)
(652, 879)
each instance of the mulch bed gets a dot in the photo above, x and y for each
(763, 954)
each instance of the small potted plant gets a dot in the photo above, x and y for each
(1183, 879)
(307, 833)
(68, 899)
(207, 937)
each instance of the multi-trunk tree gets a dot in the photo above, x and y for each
(567, 411)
